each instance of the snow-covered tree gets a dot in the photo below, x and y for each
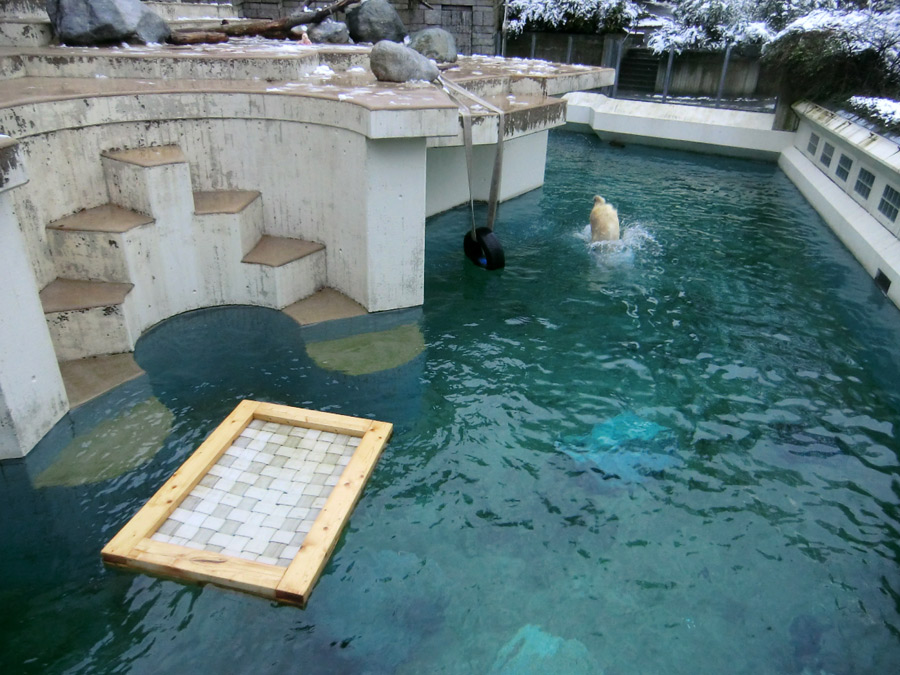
(831, 53)
(573, 16)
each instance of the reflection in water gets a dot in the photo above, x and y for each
(113, 447)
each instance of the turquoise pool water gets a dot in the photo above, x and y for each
(673, 455)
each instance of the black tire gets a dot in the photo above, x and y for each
(485, 249)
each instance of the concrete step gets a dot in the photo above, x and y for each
(87, 318)
(282, 270)
(325, 304)
(278, 251)
(93, 244)
(227, 225)
(138, 179)
(223, 201)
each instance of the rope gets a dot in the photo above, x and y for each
(494, 196)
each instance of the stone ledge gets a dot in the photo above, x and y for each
(67, 295)
(107, 218)
(148, 157)
(278, 251)
(223, 201)
(324, 305)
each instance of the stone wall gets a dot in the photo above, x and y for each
(474, 23)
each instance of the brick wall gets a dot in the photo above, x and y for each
(474, 23)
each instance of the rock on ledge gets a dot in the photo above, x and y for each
(375, 20)
(435, 43)
(392, 62)
(96, 22)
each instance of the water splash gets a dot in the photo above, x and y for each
(634, 239)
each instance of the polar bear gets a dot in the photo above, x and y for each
(604, 221)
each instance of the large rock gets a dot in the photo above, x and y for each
(375, 20)
(93, 22)
(333, 32)
(434, 43)
(392, 62)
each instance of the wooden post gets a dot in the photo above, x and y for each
(569, 49)
(533, 44)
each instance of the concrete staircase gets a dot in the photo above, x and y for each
(158, 248)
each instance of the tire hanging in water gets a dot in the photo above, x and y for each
(480, 244)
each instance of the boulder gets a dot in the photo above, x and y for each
(94, 22)
(375, 20)
(392, 62)
(333, 32)
(434, 43)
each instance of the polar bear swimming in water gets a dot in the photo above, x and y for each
(604, 221)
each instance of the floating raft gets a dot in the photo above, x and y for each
(259, 506)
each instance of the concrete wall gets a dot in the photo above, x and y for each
(524, 159)
(699, 73)
(314, 184)
(32, 397)
(869, 233)
(725, 132)
(862, 147)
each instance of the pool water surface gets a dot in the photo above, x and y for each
(673, 454)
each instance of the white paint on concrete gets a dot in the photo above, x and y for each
(870, 242)
(395, 236)
(725, 132)
(865, 149)
(32, 395)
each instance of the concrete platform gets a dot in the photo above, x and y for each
(66, 295)
(106, 218)
(733, 133)
(279, 251)
(325, 305)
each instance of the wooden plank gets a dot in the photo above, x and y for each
(304, 570)
(160, 506)
(194, 565)
(313, 419)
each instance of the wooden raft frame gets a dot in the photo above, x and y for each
(133, 548)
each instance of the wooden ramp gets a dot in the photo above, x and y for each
(259, 506)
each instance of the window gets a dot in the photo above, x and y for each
(827, 154)
(890, 203)
(813, 144)
(843, 167)
(864, 183)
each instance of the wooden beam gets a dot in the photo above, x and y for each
(160, 506)
(313, 419)
(189, 564)
(307, 566)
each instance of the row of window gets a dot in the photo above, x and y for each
(890, 198)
